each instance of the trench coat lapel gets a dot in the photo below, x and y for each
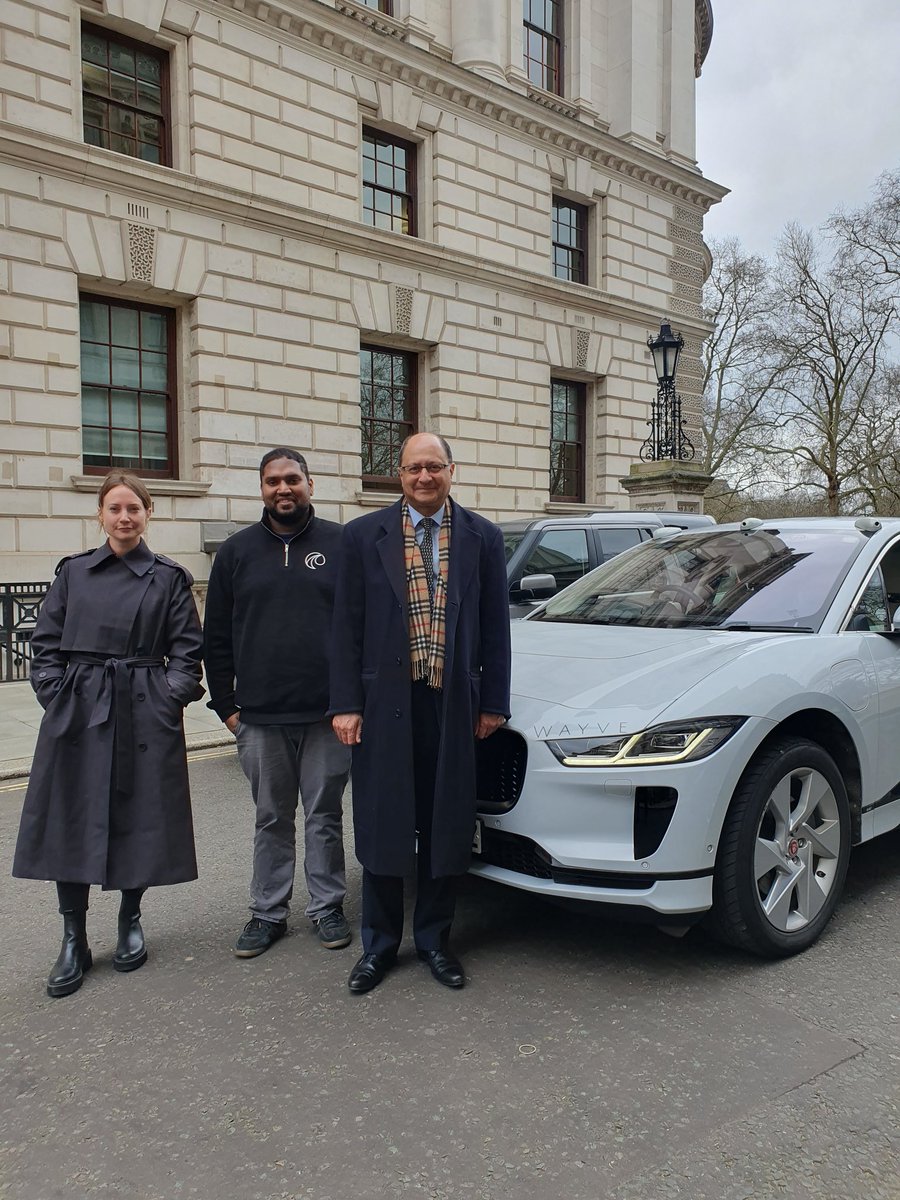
(465, 546)
(390, 551)
(139, 560)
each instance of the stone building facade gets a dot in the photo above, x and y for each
(233, 224)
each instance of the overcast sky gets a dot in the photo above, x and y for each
(798, 111)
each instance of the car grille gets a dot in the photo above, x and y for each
(514, 853)
(525, 857)
(500, 763)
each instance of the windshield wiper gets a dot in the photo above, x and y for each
(745, 626)
(571, 619)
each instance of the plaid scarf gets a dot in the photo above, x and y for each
(427, 624)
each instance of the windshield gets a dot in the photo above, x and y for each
(721, 579)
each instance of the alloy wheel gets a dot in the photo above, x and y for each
(797, 851)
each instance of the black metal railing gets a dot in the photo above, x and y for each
(19, 607)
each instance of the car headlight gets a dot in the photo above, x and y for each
(679, 741)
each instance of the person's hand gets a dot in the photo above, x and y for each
(348, 728)
(488, 723)
(231, 723)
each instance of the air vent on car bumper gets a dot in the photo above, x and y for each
(500, 763)
(654, 808)
(525, 857)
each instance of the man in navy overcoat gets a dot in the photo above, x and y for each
(420, 669)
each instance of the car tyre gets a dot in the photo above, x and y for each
(784, 850)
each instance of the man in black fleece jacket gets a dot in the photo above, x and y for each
(266, 635)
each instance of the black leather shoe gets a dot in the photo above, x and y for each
(369, 972)
(131, 952)
(444, 967)
(74, 957)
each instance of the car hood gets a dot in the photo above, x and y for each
(598, 679)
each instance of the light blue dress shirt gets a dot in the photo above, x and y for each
(416, 519)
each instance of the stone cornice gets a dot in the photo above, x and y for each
(556, 104)
(556, 508)
(369, 17)
(156, 487)
(344, 33)
(67, 159)
(376, 499)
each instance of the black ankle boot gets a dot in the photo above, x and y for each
(131, 952)
(74, 956)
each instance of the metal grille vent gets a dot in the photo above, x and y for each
(500, 764)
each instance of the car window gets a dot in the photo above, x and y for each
(871, 613)
(718, 579)
(561, 553)
(890, 570)
(614, 541)
(512, 541)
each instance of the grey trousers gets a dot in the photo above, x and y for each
(281, 761)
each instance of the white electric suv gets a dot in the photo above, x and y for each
(705, 725)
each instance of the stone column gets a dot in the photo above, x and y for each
(679, 101)
(578, 54)
(634, 78)
(668, 486)
(478, 30)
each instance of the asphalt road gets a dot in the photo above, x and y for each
(585, 1059)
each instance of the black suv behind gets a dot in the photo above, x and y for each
(562, 549)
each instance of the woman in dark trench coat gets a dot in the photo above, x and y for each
(116, 657)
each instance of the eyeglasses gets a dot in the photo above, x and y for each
(433, 468)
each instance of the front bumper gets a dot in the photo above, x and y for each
(573, 832)
(666, 898)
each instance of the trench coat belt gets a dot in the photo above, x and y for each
(114, 700)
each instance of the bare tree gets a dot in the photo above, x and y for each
(829, 336)
(873, 231)
(726, 505)
(800, 393)
(877, 482)
(739, 369)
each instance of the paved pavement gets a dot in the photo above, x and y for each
(20, 716)
(584, 1059)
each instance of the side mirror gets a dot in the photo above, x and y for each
(537, 587)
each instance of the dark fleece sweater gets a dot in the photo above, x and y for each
(268, 623)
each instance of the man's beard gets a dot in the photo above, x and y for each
(292, 517)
